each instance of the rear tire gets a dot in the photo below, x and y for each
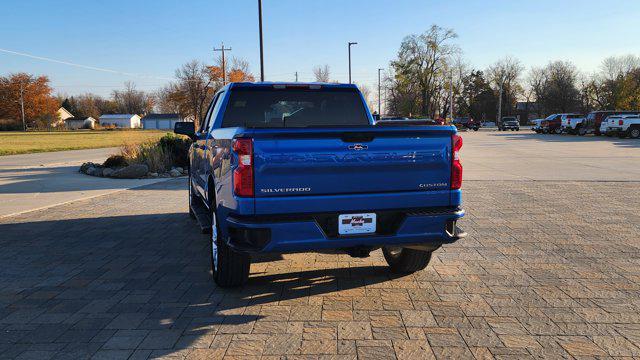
(557, 131)
(634, 133)
(403, 260)
(228, 267)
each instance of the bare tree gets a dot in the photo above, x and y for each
(132, 101)
(322, 73)
(619, 66)
(505, 73)
(423, 59)
(366, 94)
(195, 88)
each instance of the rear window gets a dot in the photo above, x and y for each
(573, 116)
(278, 108)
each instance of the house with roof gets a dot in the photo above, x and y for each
(63, 114)
(161, 121)
(80, 122)
(126, 121)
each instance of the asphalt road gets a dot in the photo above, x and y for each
(34, 181)
(525, 155)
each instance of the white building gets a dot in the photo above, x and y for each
(130, 121)
(82, 122)
(63, 114)
(161, 121)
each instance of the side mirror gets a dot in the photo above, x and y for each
(185, 128)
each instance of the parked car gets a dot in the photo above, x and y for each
(593, 121)
(571, 123)
(612, 124)
(536, 125)
(286, 167)
(509, 123)
(629, 126)
(623, 126)
(467, 123)
(552, 124)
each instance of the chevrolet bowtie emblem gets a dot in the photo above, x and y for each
(358, 147)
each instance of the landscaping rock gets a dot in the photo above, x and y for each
(152, 174)
(107, 172)
(175, 173)
(131, 172)
(178, 168)
(85, 166)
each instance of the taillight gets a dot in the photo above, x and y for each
(456, 166)
(569, 121)
(243, 174)
(620, 122)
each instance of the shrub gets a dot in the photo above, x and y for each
(178, 147)
(170, 150)
(115, 161)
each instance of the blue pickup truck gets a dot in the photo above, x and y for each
(290, 167)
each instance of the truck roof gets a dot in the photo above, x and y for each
(266, 84)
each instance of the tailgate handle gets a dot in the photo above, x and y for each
(357, 137)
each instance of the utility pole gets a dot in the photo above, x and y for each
(349, 46)
(500, 106)
(379, 93)
(24, 124)
(296, 76)
(224, 67)
(261, 46)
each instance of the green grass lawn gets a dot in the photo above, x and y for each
(14, 142)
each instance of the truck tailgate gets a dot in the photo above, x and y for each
(311, 162)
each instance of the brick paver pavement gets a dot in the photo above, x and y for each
(550, 269)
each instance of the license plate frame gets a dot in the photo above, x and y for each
(357, 224)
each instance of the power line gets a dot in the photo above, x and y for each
(83, 66)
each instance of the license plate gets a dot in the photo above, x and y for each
(349, 224)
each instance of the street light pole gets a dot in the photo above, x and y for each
(379, 98)
(261, 45)
(499, 106)
(349, 46)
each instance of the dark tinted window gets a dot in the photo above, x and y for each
(274, 108)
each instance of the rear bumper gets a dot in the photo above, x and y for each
(291, 233)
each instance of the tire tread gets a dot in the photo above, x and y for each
(409, 261)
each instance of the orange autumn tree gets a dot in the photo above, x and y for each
(237, 71)
(40, 107)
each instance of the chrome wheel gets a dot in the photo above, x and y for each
(635, 133)
(214, 242)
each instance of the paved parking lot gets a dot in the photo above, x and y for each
(550, 269)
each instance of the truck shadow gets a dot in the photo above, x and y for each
(631, 143)
(149, 273)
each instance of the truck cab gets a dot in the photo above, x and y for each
(287, 167)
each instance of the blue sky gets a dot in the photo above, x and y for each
(155, 37)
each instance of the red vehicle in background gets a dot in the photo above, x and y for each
(591, 124)
(553, 123)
